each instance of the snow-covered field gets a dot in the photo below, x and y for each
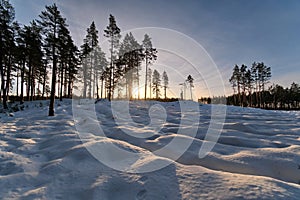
(257, 155)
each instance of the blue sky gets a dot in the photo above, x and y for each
(231, 31)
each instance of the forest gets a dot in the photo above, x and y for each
(251, 88)
(41, 61)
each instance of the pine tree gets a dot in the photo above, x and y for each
(131, 55)
(32, 38)
(235, 81)
(51, 22)
(166, 82)
(68, 61)
(264, 75)
(295, 95)
(113, 33)
(254, 73)
(243, 82)
(7, 45)
(100, 64)
(93, 42)
(190, 81)
(88, 56)
(156, 81)
(85, 51)
(149, 79)
(249, 84)
(150, 57)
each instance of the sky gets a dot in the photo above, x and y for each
(231, 31)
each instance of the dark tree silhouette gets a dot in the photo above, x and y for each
(52, 22)
(91, 69)
(112, 32)
(156, 81)
(243, 80)
(150, 57)
(190, 81)
(235, 82)
(7, 15)
(131, 55)
(149, 80)
(165, 82)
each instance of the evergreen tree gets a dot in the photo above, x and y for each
(235, 81)
(85, 51)
(131, 55)
(254, 73)
(249, 84)
(100, 64)
(89, 66)
(165, 82)
(149, 79)
(243, 80)
(278, 94)
(7, 15)
(295, 95)
(68, 61)
(51, 22)
(150, 57)
(156, 83)
(190, 81)
(32, 38)
(113, 33)
(264, 75)
(93, 40)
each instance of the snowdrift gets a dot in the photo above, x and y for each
(257, 155)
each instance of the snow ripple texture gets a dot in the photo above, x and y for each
(257, 156)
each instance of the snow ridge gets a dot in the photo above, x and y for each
(256, 157)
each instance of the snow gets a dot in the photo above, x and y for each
(257, 155)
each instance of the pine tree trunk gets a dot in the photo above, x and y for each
(1, 70)
(65, 82)
(32, 85)
(22, 82)
(18, 82)
(146, 78)
(102, 80)
(52, 93)
(138, 82)
(61, 81)
(8, 73)
(28, 80)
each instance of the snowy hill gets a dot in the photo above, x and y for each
(257, 155)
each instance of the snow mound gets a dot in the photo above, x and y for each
(257, 155)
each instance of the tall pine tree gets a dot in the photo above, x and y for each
(112, 32)
(52, 22)
(150, 57)
(165, 82)
(156, 83)
(7, 15)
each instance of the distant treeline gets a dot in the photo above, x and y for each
(249, 90)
